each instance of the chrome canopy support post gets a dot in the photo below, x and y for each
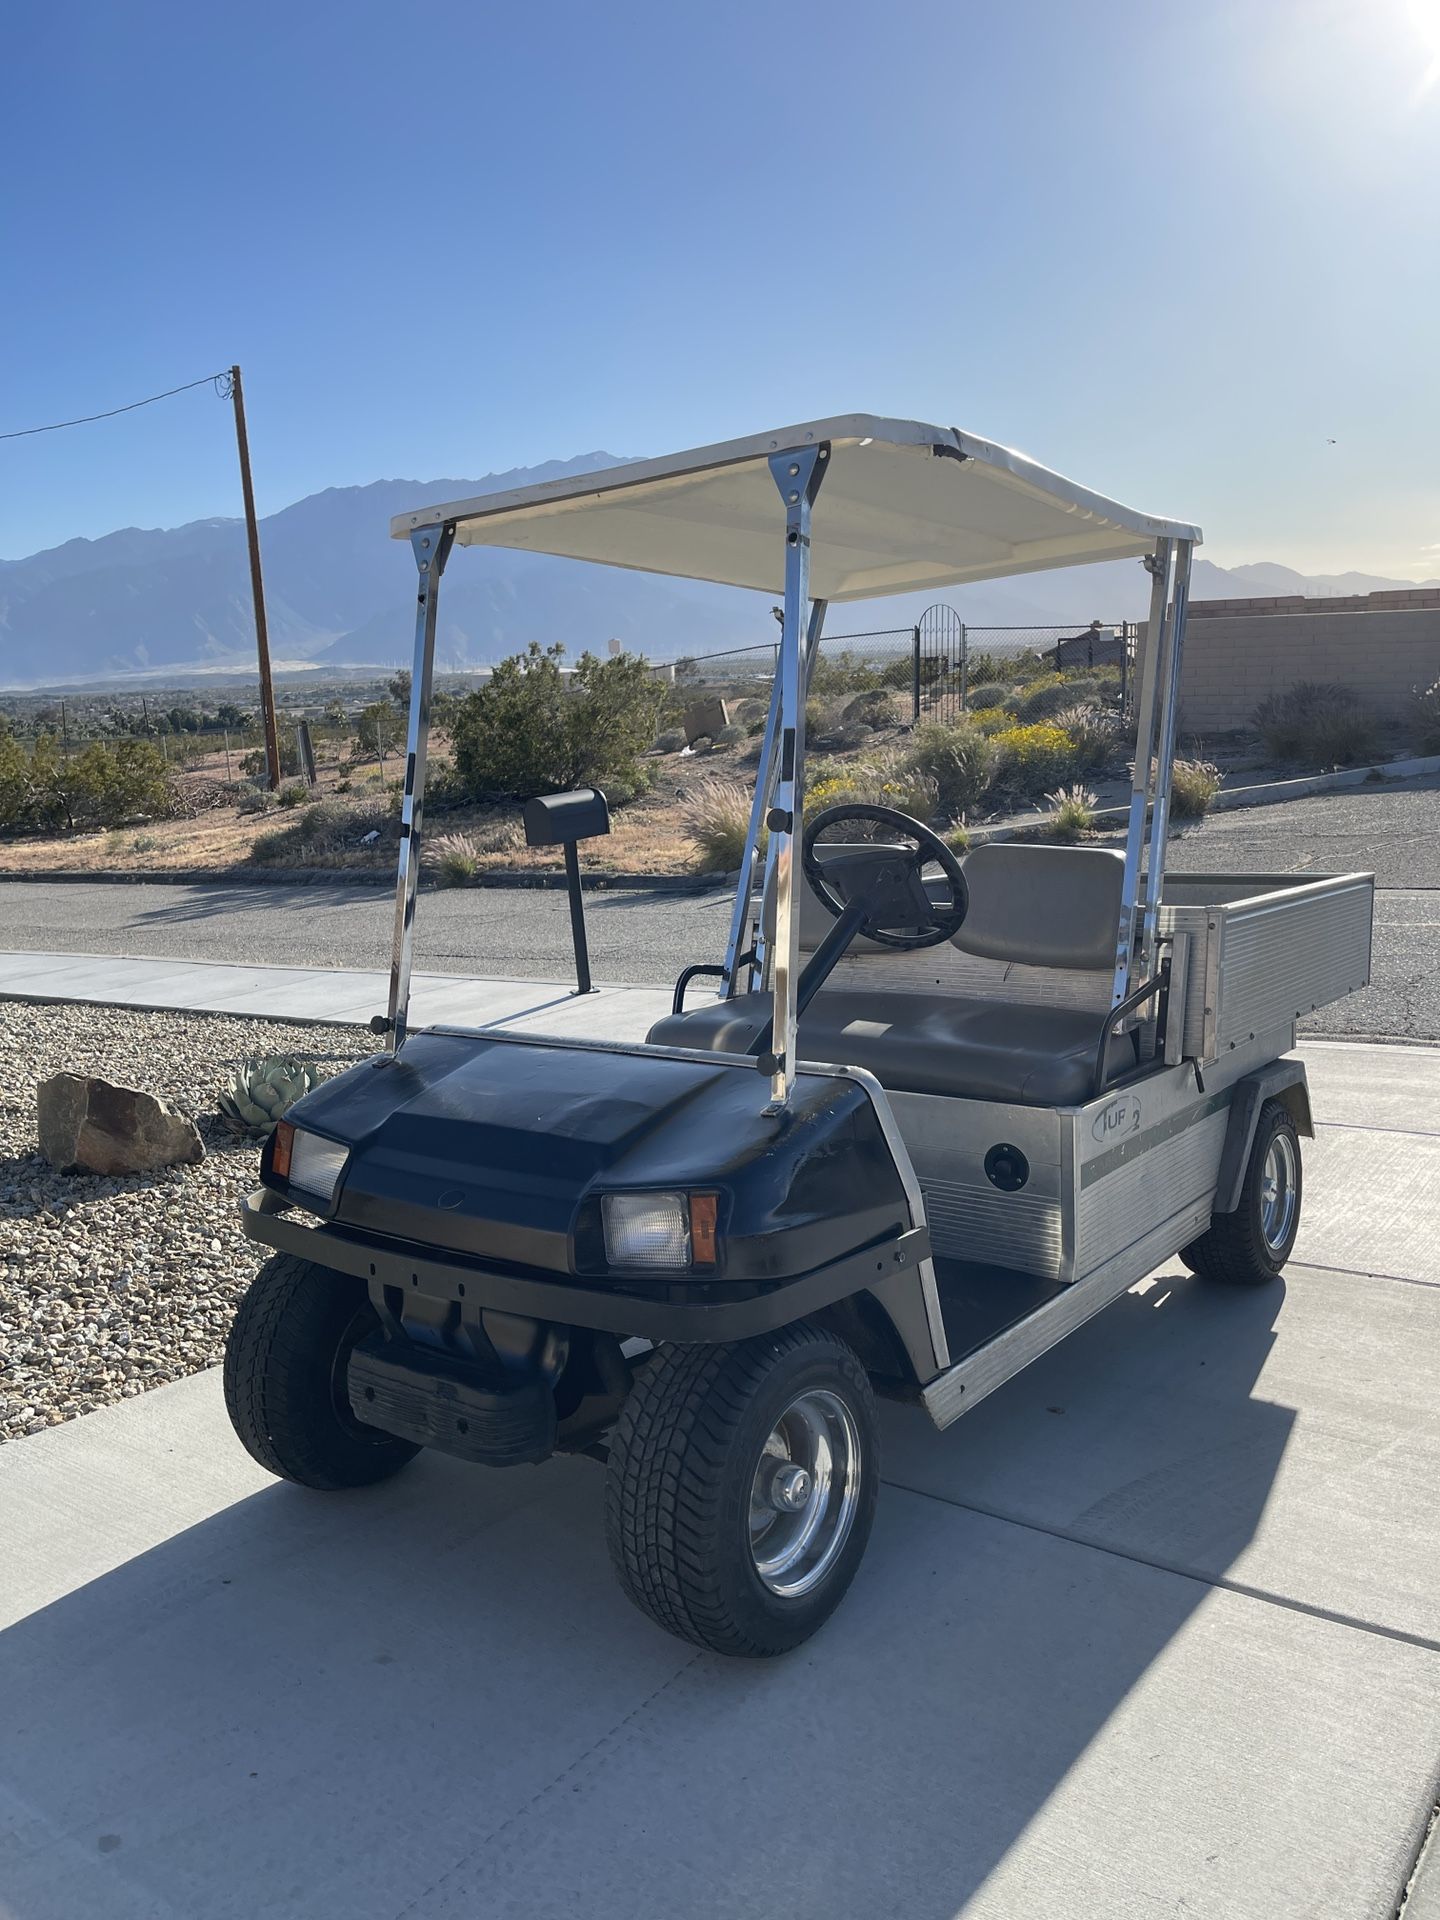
(431, 547)
(1146, 717)
(1165, 754)
(759, 807)
(798, 475)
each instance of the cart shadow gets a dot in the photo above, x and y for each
(430, 1697)
(210, 900)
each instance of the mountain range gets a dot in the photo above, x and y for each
(340, 593)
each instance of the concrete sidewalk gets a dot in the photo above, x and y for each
(332, 996)
(1155, 1629)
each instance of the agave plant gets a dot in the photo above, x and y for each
(262, 1090)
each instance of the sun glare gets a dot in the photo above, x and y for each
(1425, 19)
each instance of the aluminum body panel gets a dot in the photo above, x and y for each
(1266, 951)
(967, 1383)
(969, 1217)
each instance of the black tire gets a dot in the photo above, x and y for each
(285, 1378)
(1237, 1250)
(684, 1459)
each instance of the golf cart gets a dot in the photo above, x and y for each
(938, 1113)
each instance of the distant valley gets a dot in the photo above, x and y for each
(161, 603)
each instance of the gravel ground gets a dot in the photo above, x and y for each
(109, 1286)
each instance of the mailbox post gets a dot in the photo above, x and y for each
(560, 819)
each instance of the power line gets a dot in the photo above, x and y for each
(210, 379)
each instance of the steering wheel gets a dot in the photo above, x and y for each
(887, 893)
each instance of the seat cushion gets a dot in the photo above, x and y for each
(941, 1043)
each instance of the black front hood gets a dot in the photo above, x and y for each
(499, 1149)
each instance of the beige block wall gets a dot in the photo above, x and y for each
(1232, 661)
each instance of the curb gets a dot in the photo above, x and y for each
(1269, 793)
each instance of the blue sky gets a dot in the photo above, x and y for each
(1174, 251)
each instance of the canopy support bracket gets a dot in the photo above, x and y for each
(431, 546)
(760, 803)
(798, 474)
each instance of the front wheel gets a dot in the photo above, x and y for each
(741, 1488)
(285, 1378)
(1247, 1248)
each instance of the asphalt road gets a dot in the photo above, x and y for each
(647, 937)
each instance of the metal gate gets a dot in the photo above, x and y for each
(938, 687)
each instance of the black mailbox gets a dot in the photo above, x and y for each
(558, 819)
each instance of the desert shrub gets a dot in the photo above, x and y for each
(102, 785)
(672, 740)
(294, 795)
(991, 720)
(1193, 785)
(1031, 666)
(325, 827)
(276, 847)
(444, 788)
(528, 732)
(717, 819)
(729, 737)
(256, 799)
(14, 782)
(959, 762)
(1319, 724)
(957, 838)
(453, 859)
(1032, 759)
(1095, 733)
(342, 786)
(1044, 698)
(875, 708)
(1074, 812)
(988, 693)
(1425, 717)
(837, 674)
(380, 730)
(252, 764)
(824, 719)
(498, 836)
(875, 785)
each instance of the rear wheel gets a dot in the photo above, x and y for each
(1247, 1248)
(285, 1378)
(742, 1486)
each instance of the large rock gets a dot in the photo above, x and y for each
(89, 1125)
(705, 719)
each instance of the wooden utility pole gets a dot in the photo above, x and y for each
(257, 585)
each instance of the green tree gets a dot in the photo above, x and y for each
(529, 732)
(14, 783)
(398, 687)
(49, 802)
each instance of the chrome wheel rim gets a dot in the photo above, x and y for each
(805, 1493)
(1278, 1192)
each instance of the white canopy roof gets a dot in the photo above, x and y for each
(904, 506)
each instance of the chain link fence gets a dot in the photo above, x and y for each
(937, 664)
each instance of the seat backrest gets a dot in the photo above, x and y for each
(1043, 906)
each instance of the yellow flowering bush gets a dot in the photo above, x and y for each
(1032, 759)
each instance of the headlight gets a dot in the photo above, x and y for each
(660, 1230)
(308, 1161)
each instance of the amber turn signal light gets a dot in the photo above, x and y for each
(280, 1146)
(703, 1209)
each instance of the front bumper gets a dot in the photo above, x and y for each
(724, 1314)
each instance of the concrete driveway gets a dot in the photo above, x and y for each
(1155, 1630)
